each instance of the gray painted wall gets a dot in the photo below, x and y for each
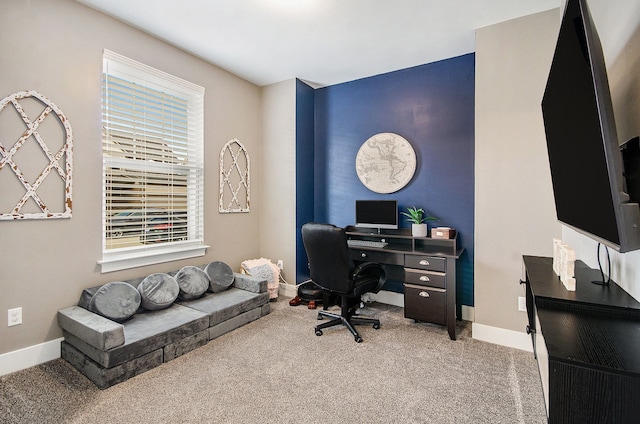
(514, 209)
(514, 212)
(55, 47)
(278, 180)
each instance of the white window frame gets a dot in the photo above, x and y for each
(115, 259)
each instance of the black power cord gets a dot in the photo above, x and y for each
(602, 282)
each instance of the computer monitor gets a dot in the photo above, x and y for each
(378, 214)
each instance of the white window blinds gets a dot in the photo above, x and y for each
(152, 158)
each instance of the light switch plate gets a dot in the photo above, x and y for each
(14, 317)
(522, 304)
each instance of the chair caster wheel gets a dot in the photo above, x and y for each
(318, 332)
(358, 339)
(376, 326)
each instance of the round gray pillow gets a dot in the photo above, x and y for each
(158, 291)
(220, 276)
(193, 282)
(117, 301)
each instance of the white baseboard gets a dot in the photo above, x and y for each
(386, 297)
(383, 296)
(29, 356)
(397, 299)
(34, 355)
(468, 313)
(501, 336)
(287, 290)
(496, 335)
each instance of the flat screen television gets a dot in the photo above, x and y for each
(378, 214)
(582, 143)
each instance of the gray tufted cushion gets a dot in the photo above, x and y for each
(117, 301)
(158, 291)
(220, 276)
(193, 282)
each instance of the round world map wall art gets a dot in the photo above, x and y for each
(385, 163)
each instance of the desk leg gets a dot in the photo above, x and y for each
(451, 298)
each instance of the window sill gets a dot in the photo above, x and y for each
(116, 261)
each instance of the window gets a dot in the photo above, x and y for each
(152, 152)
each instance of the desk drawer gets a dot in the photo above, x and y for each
(425, 304)
(377, 256)
(425, 262)
(425, 278)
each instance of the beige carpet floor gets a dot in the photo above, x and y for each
(276, 370)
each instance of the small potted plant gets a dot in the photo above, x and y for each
(417, 218)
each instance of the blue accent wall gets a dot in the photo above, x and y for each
(304, 171)
(432, 106)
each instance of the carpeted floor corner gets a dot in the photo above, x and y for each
(276, 370)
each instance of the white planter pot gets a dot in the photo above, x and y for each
(419, 230)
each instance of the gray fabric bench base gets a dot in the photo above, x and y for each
(146, 332)
(238, 321)
(107, 377)
(225, 305)
(179, 348)
(153, 337)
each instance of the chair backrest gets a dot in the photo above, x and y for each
(330, 265)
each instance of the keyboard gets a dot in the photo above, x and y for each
(366, 243)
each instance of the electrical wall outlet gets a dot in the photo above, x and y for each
(14, 317)
(522, 304)
(280, 264)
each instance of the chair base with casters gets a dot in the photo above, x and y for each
(333, 270)
(347, 318)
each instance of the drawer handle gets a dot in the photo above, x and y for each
(424, 262)
(364, 255)
(423, 294)
(424, 278)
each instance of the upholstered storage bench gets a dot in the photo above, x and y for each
(109, 352)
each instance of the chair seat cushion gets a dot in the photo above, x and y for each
(365, 284)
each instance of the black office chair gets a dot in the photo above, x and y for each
(333, 270)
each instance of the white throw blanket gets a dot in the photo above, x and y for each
(264, 268)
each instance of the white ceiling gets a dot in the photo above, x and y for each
(323, 42)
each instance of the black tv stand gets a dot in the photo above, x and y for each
(587, 344)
